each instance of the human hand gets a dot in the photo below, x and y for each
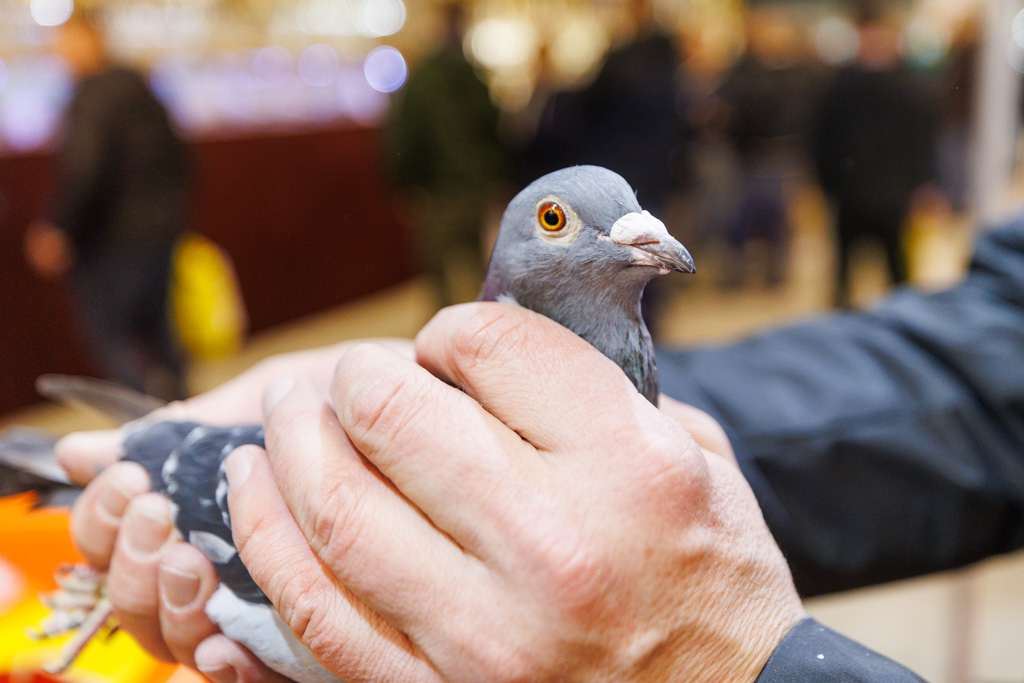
(158, 585)
(47, 250)
(238, 401)
(547, 524)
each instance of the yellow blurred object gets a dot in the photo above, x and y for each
(206, 299)
(33, 543)
(935, 244)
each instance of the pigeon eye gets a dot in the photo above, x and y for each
(552, 217)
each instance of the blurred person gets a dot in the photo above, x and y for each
(546, 134)
(119, 208)
(633, 121)
(764, 115)
(957, 113)
(874, 148)
(715, 166)
(447, 158)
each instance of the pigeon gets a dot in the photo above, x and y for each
(574, 245)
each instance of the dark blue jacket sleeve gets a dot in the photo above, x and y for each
(811, 652)
(886, 444)
(880, 445)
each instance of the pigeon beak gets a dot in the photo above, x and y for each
(650, 243)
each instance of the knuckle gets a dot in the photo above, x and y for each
(337, 523)
(93, 535)
(572, 568)
(487, 337)
(284, 420)
(254, 532)
(387, 406)
(673, 470)
(503, 661)
(132, 591)
(304, 601)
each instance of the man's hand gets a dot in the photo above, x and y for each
(544, 523)
(159, 585)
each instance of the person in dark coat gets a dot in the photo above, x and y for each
(874, 146)
(633, 123)
(119, 208)
(447, 159)
(765, 115)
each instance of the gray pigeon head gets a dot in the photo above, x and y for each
(576, 246)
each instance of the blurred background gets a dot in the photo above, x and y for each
(350, 160)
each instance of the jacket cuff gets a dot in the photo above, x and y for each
(811, 652)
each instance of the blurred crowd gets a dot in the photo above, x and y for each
(723, 138)
(723, 143)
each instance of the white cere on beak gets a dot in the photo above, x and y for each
(638, 228)
(650, 244)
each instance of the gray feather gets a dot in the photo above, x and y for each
(27, 463)
(31, 451)
(113, 401)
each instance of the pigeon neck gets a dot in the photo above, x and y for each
(608, 318)
(613, 324)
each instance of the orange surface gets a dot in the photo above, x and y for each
(33, 543)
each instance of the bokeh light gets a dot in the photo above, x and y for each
(37, 89)
(579, 46)
(925, 42)
(1016, 46)
(272, 65)
(503, 43)
(380, 18)
(385, 69)
(318, 65)
(836, 40)
(51, 12)
(325, 17)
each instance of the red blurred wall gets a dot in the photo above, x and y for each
(305, 216)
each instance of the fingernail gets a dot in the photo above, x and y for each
(147, 526)
(179, 587)
(222, 674)
(126, 482)
(237, 467)
(275, 392)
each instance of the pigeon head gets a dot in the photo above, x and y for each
(575, 246)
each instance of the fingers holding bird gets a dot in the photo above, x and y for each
(133, 577)
(351, 639)
(353, 519)
(186, 581)
(486, 349)
(98, 513)
(431, 441)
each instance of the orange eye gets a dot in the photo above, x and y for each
(551, 217)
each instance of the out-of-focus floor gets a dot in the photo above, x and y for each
(951, 628)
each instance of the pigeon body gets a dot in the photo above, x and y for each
(574, 245)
